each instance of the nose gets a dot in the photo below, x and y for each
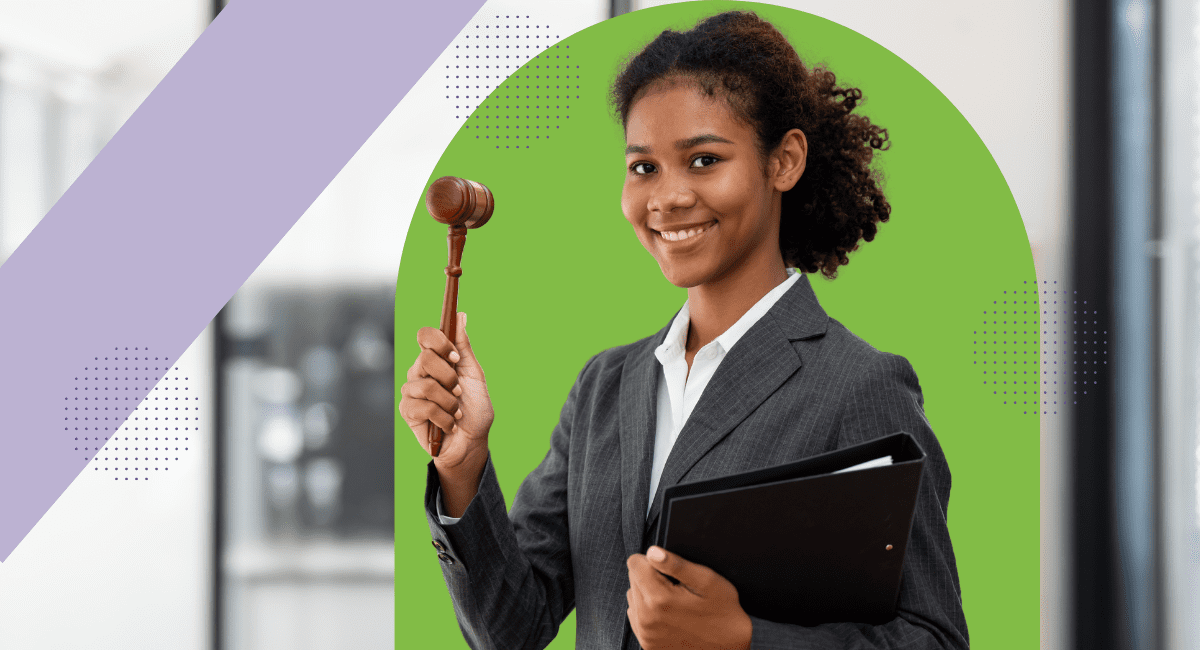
(671, 194)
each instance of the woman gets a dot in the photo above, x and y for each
(742, 165)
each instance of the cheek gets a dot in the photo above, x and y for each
(730, 194)
(631, 207)
(744, 195)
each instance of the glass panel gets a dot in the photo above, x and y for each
(307, 468)
(1181, 324)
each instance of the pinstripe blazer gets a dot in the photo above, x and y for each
(797, 384)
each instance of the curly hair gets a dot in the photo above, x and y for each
(839, 200)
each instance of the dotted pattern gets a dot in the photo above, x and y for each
(101, 420)
(1089, 338)
(1007, 349)
(1008, 355)
(513, 56)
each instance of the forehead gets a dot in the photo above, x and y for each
(671, 111)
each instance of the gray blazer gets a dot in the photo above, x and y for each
(797, 384)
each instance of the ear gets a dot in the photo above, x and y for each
(788, 160)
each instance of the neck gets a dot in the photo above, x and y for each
(715, 306)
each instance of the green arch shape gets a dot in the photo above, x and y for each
(558, 276)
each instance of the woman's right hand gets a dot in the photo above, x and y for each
(446, 386)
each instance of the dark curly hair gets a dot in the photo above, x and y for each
(839, 199)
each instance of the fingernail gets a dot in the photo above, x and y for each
(464, 318)
(656, 554)
(457, 391)
(458, 414)
(454, 357)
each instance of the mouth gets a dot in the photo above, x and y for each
(686, 233)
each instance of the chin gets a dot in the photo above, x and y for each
(683, 278)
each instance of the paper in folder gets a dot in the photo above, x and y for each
(819, 540)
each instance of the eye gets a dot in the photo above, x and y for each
(642, 168)
(704, 161)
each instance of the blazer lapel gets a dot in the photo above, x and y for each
(757, 365)
(638, 413)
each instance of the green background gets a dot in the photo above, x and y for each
(558, 275)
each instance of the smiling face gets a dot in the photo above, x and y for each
(696, 191)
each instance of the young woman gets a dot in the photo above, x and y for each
(742, 165)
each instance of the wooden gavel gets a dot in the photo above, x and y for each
(460, 204)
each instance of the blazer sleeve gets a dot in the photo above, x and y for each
(884, 397)
(510, 575)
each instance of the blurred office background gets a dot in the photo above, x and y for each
(1090, 109)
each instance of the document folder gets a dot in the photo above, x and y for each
(803, 542)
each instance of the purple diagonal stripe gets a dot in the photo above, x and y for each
(185, 202)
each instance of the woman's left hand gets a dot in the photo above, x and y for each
(702, 611)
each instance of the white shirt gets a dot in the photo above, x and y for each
(679, 390)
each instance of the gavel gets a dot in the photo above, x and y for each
(460, 204)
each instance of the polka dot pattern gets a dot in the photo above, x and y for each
(1007, 350)
(131, 439)
(509, 84)
(1089, 340)
(1040, 347)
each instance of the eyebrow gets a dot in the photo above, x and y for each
(687, 143)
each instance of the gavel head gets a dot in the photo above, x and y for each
(459, 202)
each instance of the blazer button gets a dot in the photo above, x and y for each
(438, 545)
(446, 558)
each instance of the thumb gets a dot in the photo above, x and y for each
(463, 343)
(695, 577)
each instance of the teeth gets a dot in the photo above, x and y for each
(680, 235)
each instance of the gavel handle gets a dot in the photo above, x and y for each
(457, 239)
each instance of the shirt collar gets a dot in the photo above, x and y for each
(676, 340)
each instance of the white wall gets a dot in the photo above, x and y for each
(113, 564)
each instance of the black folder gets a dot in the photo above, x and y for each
(802, 542)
